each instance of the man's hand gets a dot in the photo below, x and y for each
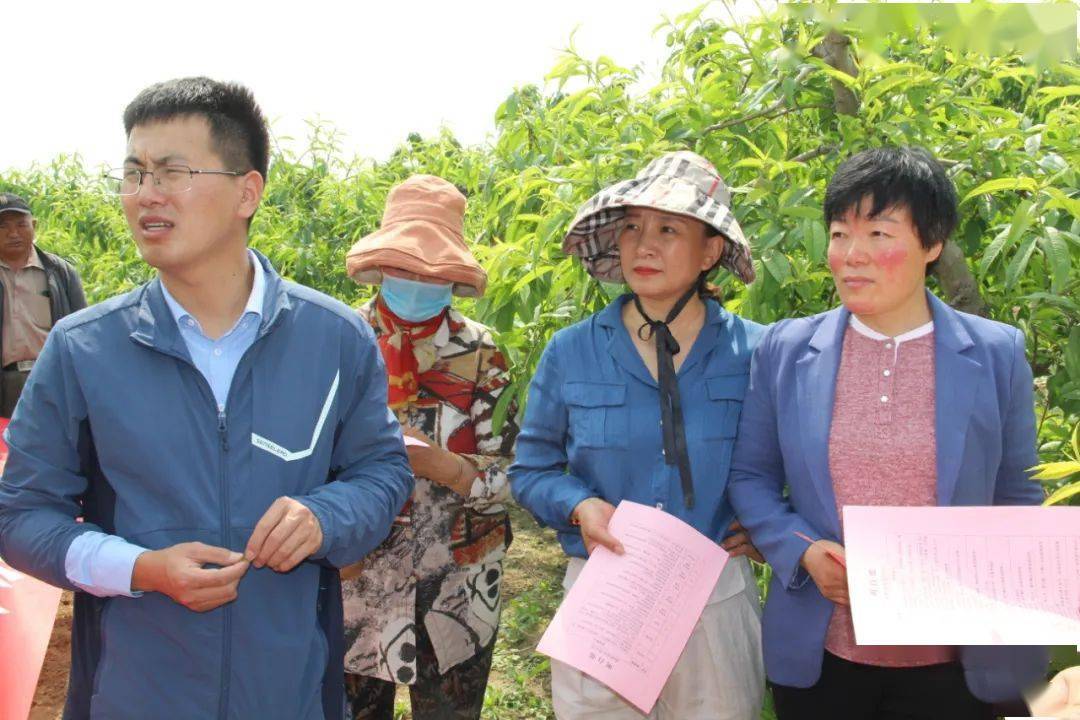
(178, 572)
(438, 465)
(1061, 698)
(740, 543)
(828, 574)
(287, 534)
(593, 515)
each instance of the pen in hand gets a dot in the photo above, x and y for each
(838, 558)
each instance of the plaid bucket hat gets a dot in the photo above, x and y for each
(679, 182)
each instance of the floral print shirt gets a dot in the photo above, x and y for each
(443, 548)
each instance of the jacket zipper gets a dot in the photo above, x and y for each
(226, 641)
(222, 429)
(226, 518)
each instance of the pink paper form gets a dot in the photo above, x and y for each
(627, 618)
(964, 575)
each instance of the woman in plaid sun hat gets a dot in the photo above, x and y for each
(640, 402)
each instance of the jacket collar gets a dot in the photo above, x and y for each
(621, 346)
(954, 395)
(156, 327)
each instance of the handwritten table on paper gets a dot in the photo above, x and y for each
(964, 575)
(627, 618)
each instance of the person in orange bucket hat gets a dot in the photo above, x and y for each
(423, 609)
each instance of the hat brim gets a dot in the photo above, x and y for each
(417, 246)
(593, 233)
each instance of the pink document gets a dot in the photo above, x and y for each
(964, 575)
(627, 618)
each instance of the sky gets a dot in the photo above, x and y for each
(376, 71)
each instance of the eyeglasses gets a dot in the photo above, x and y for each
(168, 179)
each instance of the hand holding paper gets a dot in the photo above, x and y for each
(825, 562)
(594, 516)
(628, 617)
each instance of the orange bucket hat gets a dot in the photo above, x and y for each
(421, 233)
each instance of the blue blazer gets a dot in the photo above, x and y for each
(985, 427)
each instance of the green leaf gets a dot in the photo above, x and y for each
(1056, 470)
(1056, 250)
(498, 415)
(1072, 354)
(990, 254)
(882, 86)
(1063, 494)
(778, 266)
(802, 211)
(833, 73)
(1048, 94)
(1058, 199)
(1019, 262)
(993, 186)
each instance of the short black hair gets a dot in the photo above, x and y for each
(907, 177)
(238, 129)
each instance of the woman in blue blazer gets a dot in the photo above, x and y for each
(894, 398)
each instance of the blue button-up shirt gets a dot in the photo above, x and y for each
(102, 564)
(592, 424)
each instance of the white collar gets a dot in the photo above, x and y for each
(863, 329)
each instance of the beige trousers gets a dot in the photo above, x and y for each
(719, 676)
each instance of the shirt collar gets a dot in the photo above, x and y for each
(611, 315)
(34, 261)
(863, 329)
(254, 302)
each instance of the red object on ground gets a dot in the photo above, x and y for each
(27, 611)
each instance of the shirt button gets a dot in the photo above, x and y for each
(887, 373)
(190, 322)
(659, 506)
(217, 352)
(888, 346)
(884, 398)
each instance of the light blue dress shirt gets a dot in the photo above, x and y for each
(101, 564)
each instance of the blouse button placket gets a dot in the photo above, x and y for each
(885, 396)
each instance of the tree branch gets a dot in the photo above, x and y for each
(768, 113)
(776, 109)
(811, 154)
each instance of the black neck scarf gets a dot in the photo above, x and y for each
(671, 416)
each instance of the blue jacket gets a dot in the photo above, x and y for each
(592, 425)
(985, 428)
(116, 424)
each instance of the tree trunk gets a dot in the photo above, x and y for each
(834, 50)
(959, 285)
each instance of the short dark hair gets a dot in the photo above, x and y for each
(238, 129)
(896, 177)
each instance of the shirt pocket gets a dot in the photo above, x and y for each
(724, 395)
(598, 414)
(39, 311)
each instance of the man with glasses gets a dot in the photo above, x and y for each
(223, 432)
(37, 288)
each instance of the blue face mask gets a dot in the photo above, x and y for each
(412, 300)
